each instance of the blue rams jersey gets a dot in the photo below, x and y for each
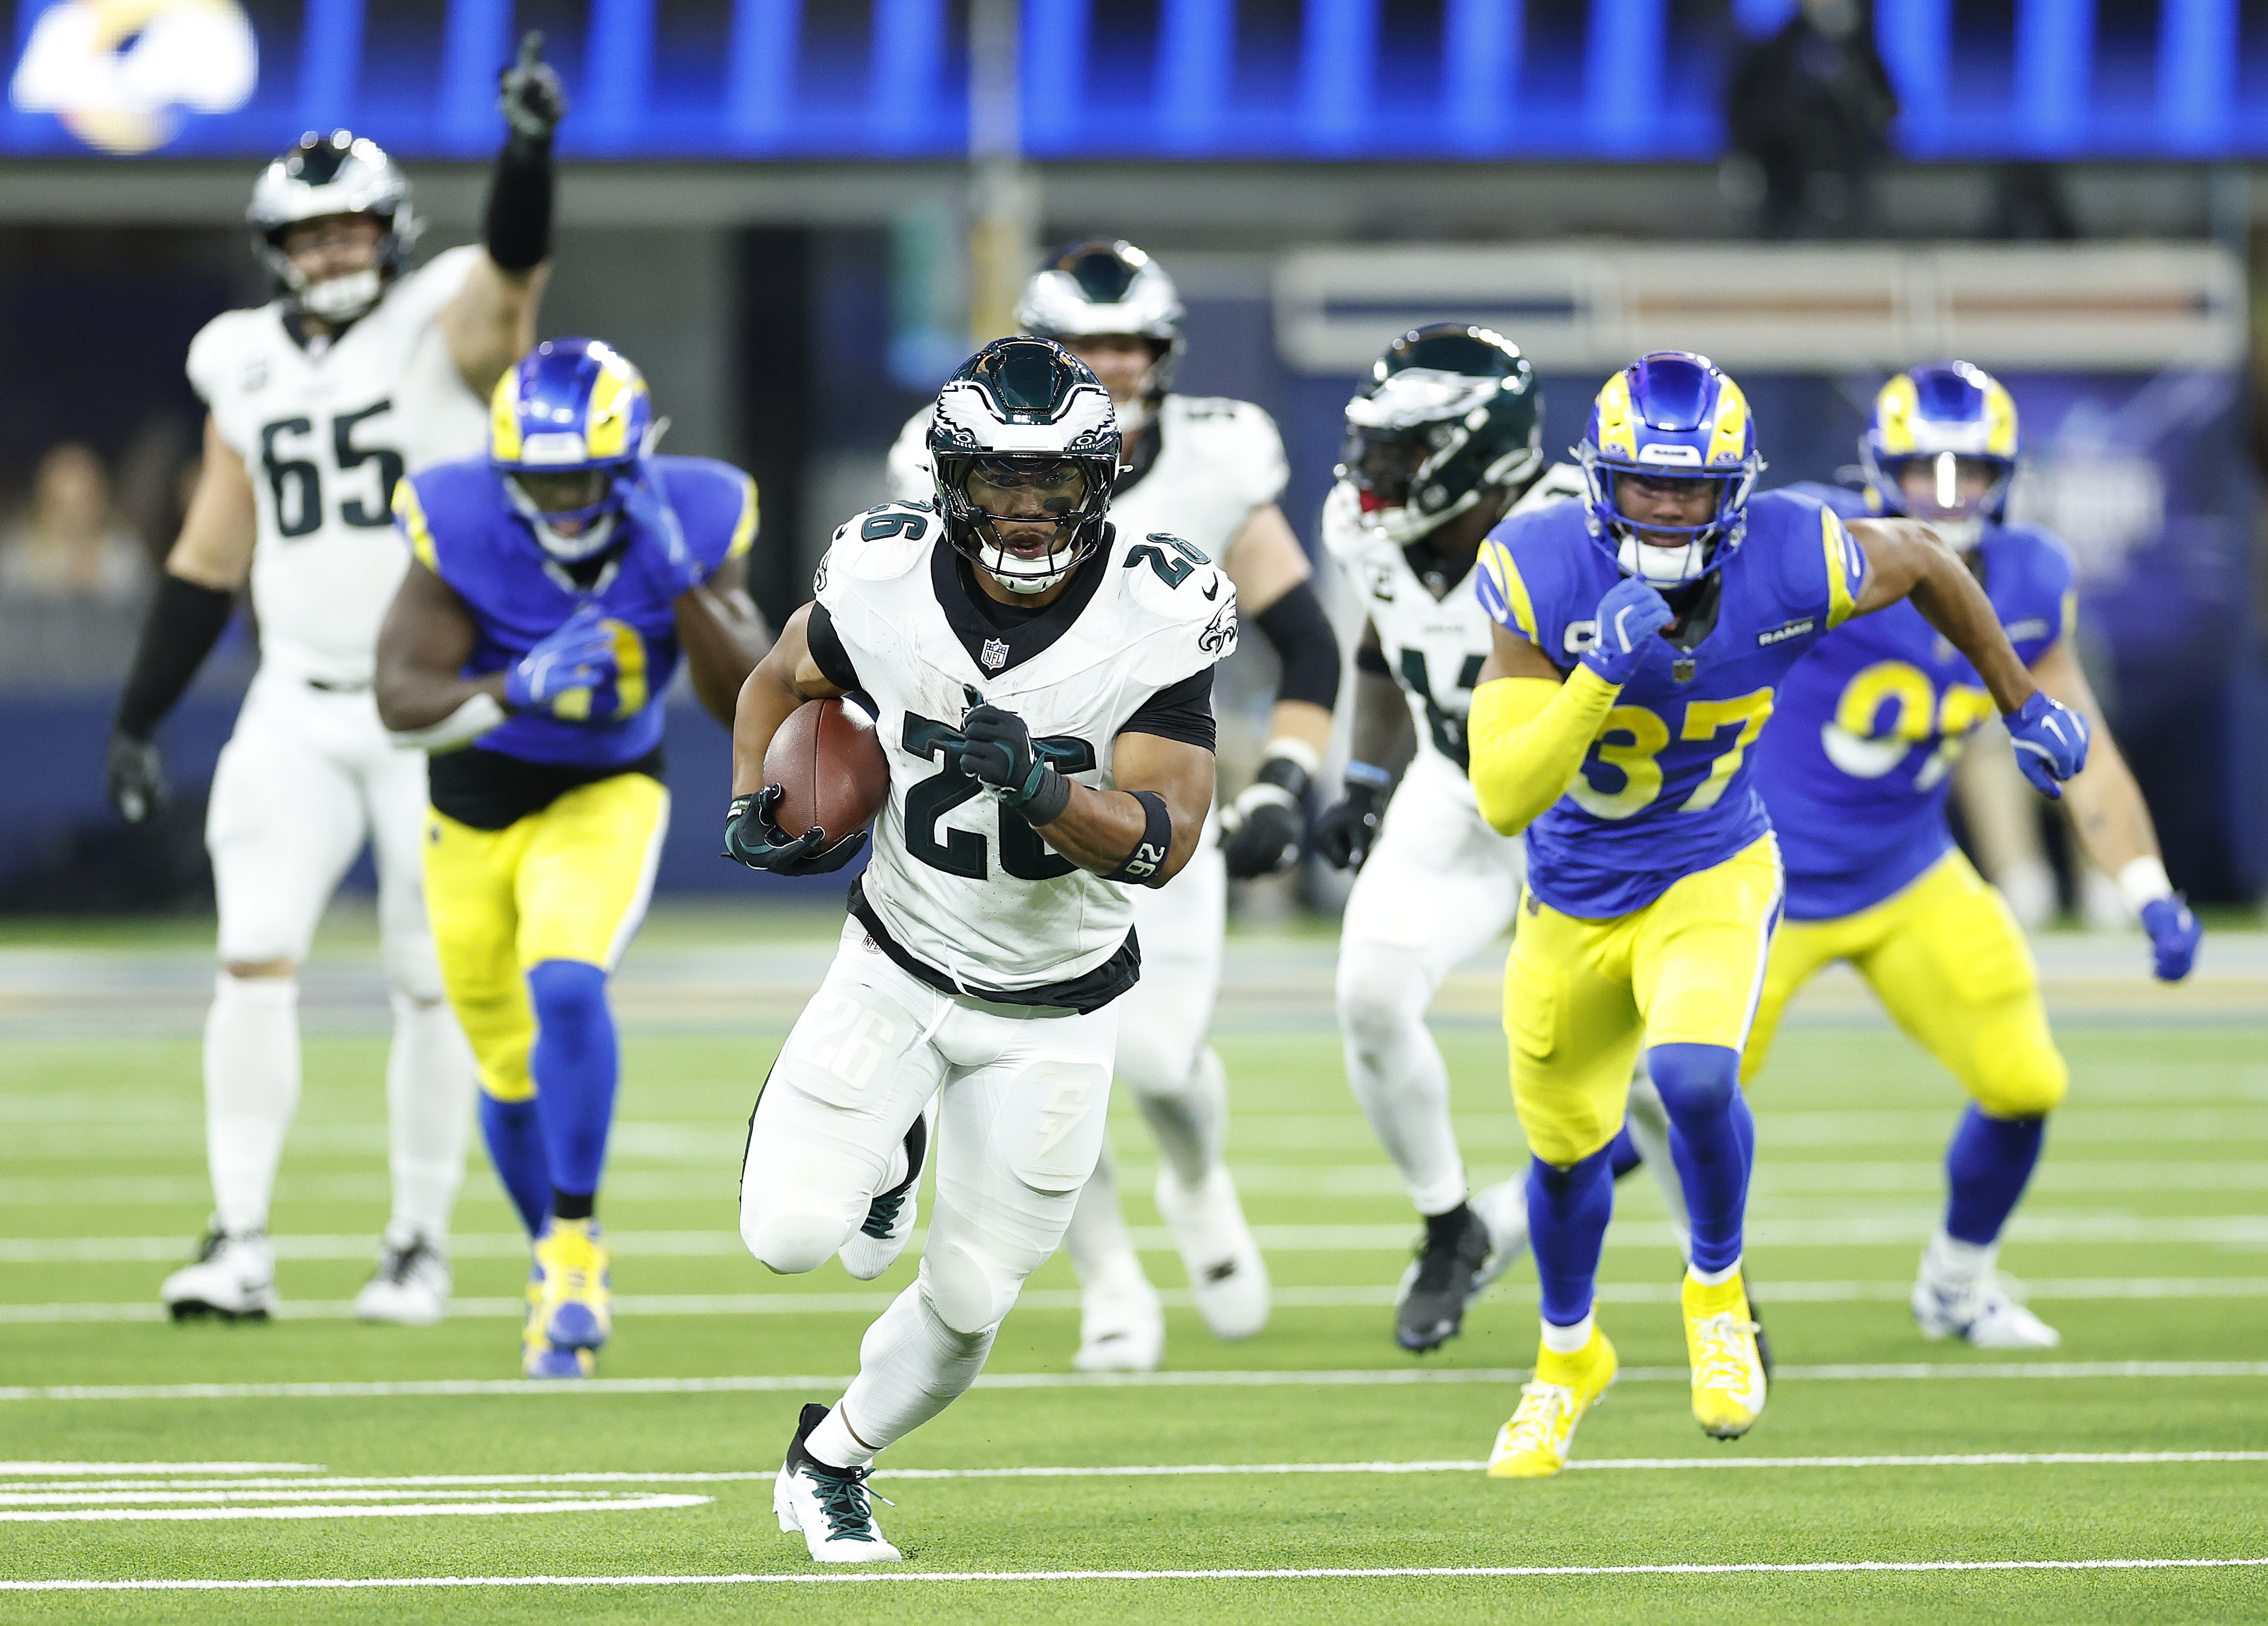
(1664, 790)
(1856, 767)
(464, 529)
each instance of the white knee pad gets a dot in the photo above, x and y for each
(412, 968)
(969, 1292)
(1382, 995)
(790, 1241)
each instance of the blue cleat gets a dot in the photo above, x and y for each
(539, 1356)
(573, 1303)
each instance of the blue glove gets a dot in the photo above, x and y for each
(579, 655)
(2174, 933)
(997, 749)
(1631, 613)
(660, 540)
(752, 837)
(2051, 741)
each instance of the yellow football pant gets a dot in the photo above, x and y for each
(569, 882)
(1580, 995)
(1950, 963)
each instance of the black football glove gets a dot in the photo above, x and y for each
(996, 749)
(1344, 834)
(1261, 829)
(752, 838)
(529, 94)
(135, 777)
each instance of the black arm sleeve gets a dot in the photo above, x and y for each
(517, 231)
(1370, 658)
(827, 654)
(185, 622)
(1303, 640)
(1183, 712)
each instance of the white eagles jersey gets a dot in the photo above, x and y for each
(1217, 461)
(957, 881)
(324, 432)
(1435, 647)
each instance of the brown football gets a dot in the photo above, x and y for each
(831, 769)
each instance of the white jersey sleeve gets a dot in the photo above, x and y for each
(907, 473)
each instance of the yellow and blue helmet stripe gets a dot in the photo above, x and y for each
(569, 404)
(1670, 415)
(1950, 408)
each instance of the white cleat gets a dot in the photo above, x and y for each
(1228, 1276)
(1121, 1325)
(410, 1287)
(830, 1507)
(233, 1277)
(874, 1247)
(1982, 1311)
(1503, 1209)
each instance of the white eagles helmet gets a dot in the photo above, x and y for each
(339, 173)
(1024, 411)
(1101, 286)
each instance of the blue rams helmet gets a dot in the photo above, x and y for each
(1954, 419)
(572, 407)
(1670, 415)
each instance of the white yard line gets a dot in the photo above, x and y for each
(400, 1510)
(14, 1469)
(1870, 1566)
(1390, 1377)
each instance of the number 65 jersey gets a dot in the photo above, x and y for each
(325, 430)
(959, 891)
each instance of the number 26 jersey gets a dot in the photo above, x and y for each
(1665, 790)
(325, 431)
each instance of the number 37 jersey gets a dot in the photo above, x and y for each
(325, 431)
(1665, 790)
(960, 890)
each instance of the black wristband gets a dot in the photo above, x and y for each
(1285, 774)
(1146, 865)
(517, 231)
(186, 620)
(1370, 658)
(1046, 803)
(1306, 648)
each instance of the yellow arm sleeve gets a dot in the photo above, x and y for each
(1526, 738)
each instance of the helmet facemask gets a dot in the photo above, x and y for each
(1963, 492)
(1658, 552)
(1028, 522)
(570, 533)
(325, 178)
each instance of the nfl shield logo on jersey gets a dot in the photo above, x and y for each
(995, 656)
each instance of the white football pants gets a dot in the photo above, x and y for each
(308, 777)
(1162, 1055)
(1438, 886)
(1023, 1093)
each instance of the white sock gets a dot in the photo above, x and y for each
(1714, 1278)
(1949, 1259)
(429, 1104)
(1649, 1128)
(833, 1443)
(911, 1366)
(1101, 1251)
(1571, 1340)
(1398, 1076)
(1188, 1121)
(252, 1088)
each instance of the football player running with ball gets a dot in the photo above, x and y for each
(1855, 772)
(555, 584)
(1209, 472)
(359, 368)
(1641, 635)
(1041, 685)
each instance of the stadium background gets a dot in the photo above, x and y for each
(794, 215)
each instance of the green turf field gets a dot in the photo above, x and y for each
(399, 1453)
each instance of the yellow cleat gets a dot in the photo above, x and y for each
(574, 1308)
(537, 1358)
(1720, 1344)
(1534, 1444)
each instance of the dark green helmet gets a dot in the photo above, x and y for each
(1452, 411)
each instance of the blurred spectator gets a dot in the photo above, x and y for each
(2030, 206)
(72, 577)
(1811, 108)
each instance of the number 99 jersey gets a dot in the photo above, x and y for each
(960, 890)
(1665, 790)
(1857, 765)
(326, 429)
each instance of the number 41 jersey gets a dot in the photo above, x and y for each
(325, 431)
(960, 890)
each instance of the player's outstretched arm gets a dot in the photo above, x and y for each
(203, 573)
(723, 637)
(491, 322)
(1905, 560)
(422, 645)
(2113, 821)
(1146, 830)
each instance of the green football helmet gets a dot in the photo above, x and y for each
(1452, 410)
